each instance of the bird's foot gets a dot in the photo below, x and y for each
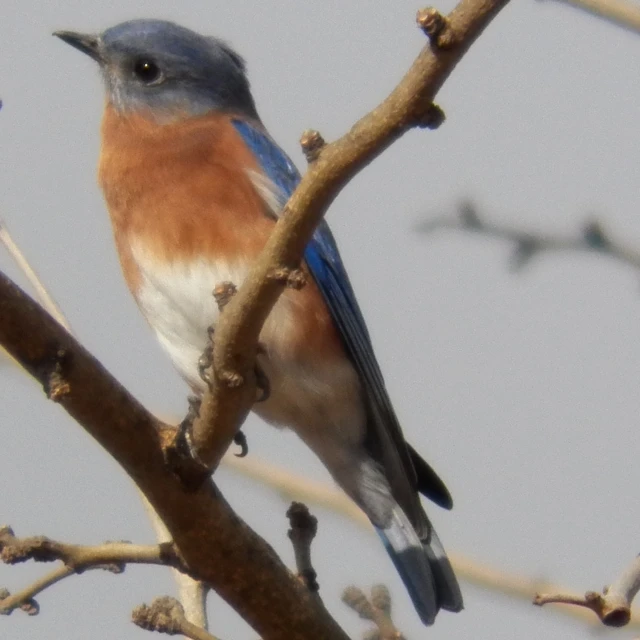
(179, 455)
(183, 439)
(241, 440)
(263, 386)
(205, 361)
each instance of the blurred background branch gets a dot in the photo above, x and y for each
(621, 12)
(529, 244)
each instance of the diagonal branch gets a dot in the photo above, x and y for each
(409, 105)
(215, 545)
(193, 594)
(624, 13)
(25, 599)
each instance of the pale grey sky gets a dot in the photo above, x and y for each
(520, 389)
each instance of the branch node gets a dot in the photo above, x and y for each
(525, 249)
(231, 379)
(595, 236)
(381, 598)
(223, 292)
(292, 278)
(164, 615)
(436, 27)
(56, 386)
(612, 612)
(304, 528)
(377, 608)
(355, 599)
(312, 144)
(30, 607)
(431, 117)
(469, 216)
(14, 550)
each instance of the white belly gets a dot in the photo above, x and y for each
(309, 396)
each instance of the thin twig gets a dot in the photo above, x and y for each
(192, 593)
(303, 530)
(25, 599)
(612, 606)
(528, 244)
(377, 608)
(166, 615)
(110, 556)
(46, 299)
(621, 12)
(78, 557)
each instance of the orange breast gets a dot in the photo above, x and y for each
(182, 191)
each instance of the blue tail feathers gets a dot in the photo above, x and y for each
(423, 567)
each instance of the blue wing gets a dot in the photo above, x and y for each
(386, 443)
(412, 544)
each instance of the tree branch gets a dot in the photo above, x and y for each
(410, 104)
(304, 528)
(166, 615)
(80, 557)
(621, 12)
(377, 609)
(528, 244)
(613, 606)
(193, 594)
(25, 599)
(215, 545)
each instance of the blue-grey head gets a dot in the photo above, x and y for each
(167, 70)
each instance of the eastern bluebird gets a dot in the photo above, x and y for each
(193, 183)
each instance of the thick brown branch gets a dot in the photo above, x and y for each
(215, 545)
(236, 338)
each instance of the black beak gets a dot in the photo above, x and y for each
(84, 42)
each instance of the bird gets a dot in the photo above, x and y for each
(194, 184)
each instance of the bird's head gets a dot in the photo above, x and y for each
(166, 70)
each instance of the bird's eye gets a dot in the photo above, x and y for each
(147, 71)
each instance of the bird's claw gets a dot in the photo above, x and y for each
(263, 386)
(241, 440)
(193, 412)
(206, 359)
